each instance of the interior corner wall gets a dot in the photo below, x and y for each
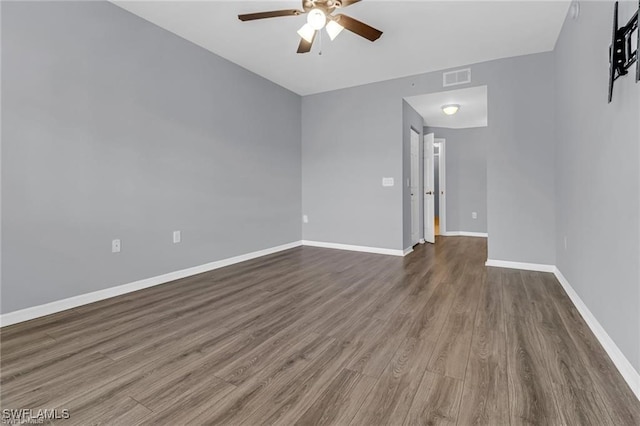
(466, 177)
(598, 175)
(411, 120)
(352, 137)
(115, 128)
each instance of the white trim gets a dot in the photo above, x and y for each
(442, 185)
(364, 249)
(407, 251)
(520, 265)
(464, 234)
(428, 184)
(630, 375)
(83, 299)
(415, 187)
(422, 241)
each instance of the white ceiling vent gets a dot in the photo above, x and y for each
(453, 78)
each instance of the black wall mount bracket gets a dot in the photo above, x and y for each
(622, 54)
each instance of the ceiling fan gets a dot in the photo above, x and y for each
(319, 16)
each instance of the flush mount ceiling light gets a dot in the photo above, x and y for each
(450, 109)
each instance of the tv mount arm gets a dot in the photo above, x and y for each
(621, 57)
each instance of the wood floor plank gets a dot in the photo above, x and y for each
(485, 398)
(622, 404)
(563, 361)
(380, 347)
(427, 323)
(391, 398)
(338, 404)
(436, 401)
(530, 386)
(451, 354)
(321, 336)
(255, 400)
(117, 410)
(581, 407)
(286, 405)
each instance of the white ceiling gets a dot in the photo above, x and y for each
(472, 112)
(419, 36)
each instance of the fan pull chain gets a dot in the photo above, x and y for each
(320, 43)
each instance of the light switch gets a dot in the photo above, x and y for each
(387, 181)
(305, 218)
(177, 237)
(474, 215)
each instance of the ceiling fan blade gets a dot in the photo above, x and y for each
(346, 3)
(358, 27)
(272, 14)
(305, 46)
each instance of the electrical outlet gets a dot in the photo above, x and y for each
(305, 218)
(115, 246)
(177, 237)
(474, 215)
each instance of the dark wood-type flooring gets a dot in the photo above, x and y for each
(319, 336)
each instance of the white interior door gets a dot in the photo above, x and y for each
(414, 184)
(429, 201)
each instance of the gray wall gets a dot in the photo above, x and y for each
(466, 168)
(350, 140)
(115, 128)
(520, 178)
(598, 176)
(352, 137)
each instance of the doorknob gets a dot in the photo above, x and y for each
(429, 193)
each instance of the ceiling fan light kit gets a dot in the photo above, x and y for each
(319, 16)
(333, 29)
(317, 19)
(307, 32)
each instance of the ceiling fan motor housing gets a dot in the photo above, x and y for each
(327, 6)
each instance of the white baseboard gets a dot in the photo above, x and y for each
(520, 265)
(83, 299)
(630, 375)
(407, 251)
(464, 234)
(349, 247)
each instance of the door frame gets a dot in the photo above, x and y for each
(415, 211)
(427, 214)
(442, 184)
